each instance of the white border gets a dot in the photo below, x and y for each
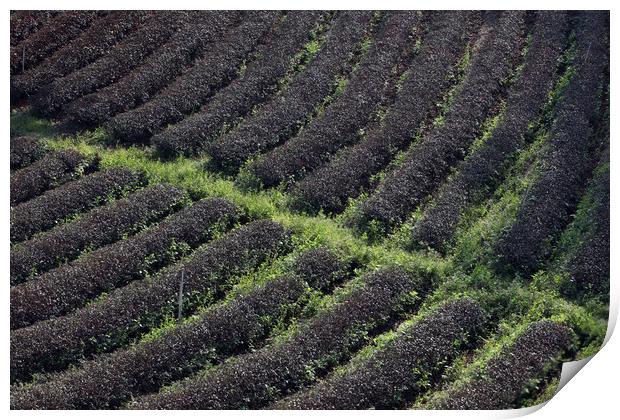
(594, 393)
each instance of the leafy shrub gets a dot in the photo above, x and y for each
(350, 112)
(506, 375)
(392, 376)
(61, 29)
(188, 44)
(589, 265)
(43, 212)
(25, 150)
(126, 55)
(130, 310)
(188, 92)
(86, 48)
(257, 378)
(254, 86)
(320, 268)
(482, 172)
(26, 22)
(330, 187)
(53, 169)
(100, 226)
(223, 330)
(566, 164)
(282, 116)
(426, 165)
(70, 286)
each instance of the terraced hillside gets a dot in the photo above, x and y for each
(306, 210)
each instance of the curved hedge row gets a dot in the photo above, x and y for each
(256, 379)
(61, 29)
(127, 54)
(330, 187)
(589, 265)
(70, 286)
(189, 91)
(258, 83)
(350, 112)
(321, 268)
(26, 22)
(142, 304)
(185, 46)
(43, 212)
(482, 171)
(90, 45)
(100, 226)
(226, 329)
(547, 206)
(394, 375)
(53, 169)
(25, 150)
(281, 117)
(426, 165)
(506, 375)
